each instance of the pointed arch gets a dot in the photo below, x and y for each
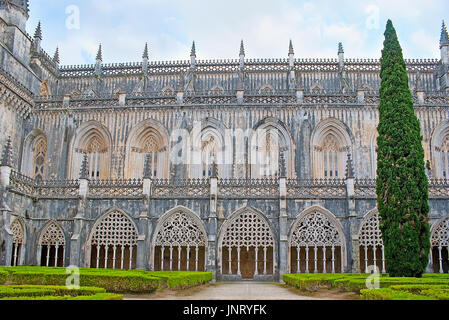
(246, 245)
(113, 241)
(331, 141)
(269, 140)
(372, 250)
(440, 246)
(439, 145)
(95, 140)
(179, 241)
(317, 243)
(19, 241)
(52, 245)
(34, 157)
(211, 143)
(151, 138)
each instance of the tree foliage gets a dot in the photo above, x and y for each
(402, 185)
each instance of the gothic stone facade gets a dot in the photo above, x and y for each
(246, 168)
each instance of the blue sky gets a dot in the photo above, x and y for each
(315, 27)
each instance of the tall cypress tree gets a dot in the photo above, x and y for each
(402, 185)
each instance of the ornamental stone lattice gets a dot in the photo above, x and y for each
(54, 241)
(181, 232)
(114, 237)
(248, 231)
(440, 241)
(17, 231)
(316, 234)
(371, 243)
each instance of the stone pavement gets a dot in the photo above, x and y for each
(232, 291)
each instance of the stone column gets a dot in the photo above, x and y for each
(211, 255)
(6, 239)
(352, 243)
(283, 232)
(146, 230)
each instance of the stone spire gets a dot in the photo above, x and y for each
(193, 51)
(193, 56)
(99, 55)
(290, 48)
(38, 32)
(84, 171)
(242, 49)
(56, 56)
(242, 55)
(6, 160)
(145, 52)
(444, 39)
(341, 56)
(349, 167)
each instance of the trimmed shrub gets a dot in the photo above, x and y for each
(390, 294)
(3, 276)
(99, 296)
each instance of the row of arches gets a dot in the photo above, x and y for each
(265, 148)
(246, 243)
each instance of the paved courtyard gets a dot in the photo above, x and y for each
(234, 291)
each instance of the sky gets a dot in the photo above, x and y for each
(77, 27)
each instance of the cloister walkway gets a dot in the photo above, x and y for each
(234, 291)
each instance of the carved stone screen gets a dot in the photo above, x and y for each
(114, 243)
(248, 247)
(316, 246)
(440, 247)
(17, 246)
(372, 250)
(52, 246)
(180, 244)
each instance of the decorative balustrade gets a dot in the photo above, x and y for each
(365, 188)
(22, 184)
(248, 188)
(201, 188)
(316, 188)
(58, 189)
(181, 189)
(132, 188)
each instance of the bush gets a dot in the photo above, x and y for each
(3, 276)
(390, 294)
(117, 281)
(99, 296)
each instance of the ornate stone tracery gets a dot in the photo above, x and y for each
(372, 250)
(316, 244)
(248, 246)
(182, 236)
(18, 242)
(440, 246)
(52, 246)
(114, 238)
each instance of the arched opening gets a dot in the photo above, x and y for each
(147, 143)
(18, 243)
(317, 244)
(35, 155)
(271, 150)
(52, 246)
(440, 151)
(330, 144)
(113, 243)
(94, 140)
(180, 243)
(440, 247)
(247, 246)
(372, 250)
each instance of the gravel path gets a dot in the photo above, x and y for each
(228, 291)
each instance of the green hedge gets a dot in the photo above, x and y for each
(55, 290)
(99, 296)
(3, 276)
(116, 281)
(390, 294)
